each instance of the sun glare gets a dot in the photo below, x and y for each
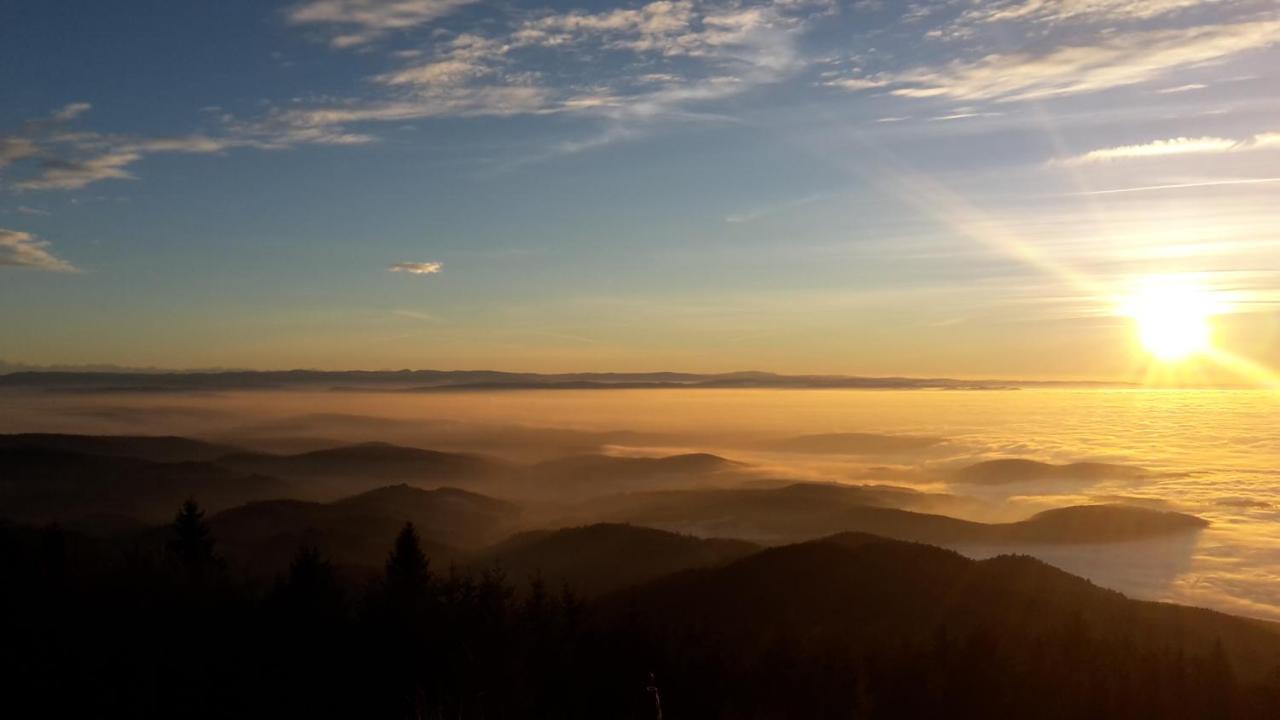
(1172, 317)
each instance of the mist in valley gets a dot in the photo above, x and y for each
(971, 470)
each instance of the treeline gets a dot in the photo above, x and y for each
(162, 628)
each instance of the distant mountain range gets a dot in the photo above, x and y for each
(348, 500)
(463, 380)
(806, 511)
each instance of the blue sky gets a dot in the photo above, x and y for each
(951, 188)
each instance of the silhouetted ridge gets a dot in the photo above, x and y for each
(603, 557)
(586, 475)
(432, 380)
(156, 448)
(856, 589)
(262, 537)
(1012, 470)
(43, 485)
(370, 461)
(810, 510)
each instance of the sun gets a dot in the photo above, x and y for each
(1172, 317)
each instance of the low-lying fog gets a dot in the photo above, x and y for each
(1209, 453)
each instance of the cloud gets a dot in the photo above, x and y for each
(1173, 146)
(13, 149)
(663, 26)
(857, 83)
(1184, 186)
(1059, 11)
(21, 249)
(726, 50)
(1117, 60)
(70, 160)
(71, 111)
(1182, 88)
(59, 174)
(358, 22)
(417, 268)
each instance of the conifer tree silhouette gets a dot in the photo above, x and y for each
(408, 572)
(191, 544)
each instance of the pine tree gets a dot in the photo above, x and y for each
(191, 544)
(311, 590)
(408, 572)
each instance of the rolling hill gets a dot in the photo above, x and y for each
(355, 532)
(599, 558)
(155, 448)
(40, 485)
(807, 511)
(1017, 470)
(861, 590)
(583, 476)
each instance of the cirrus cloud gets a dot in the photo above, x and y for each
(359, 22)
(1116, 60)
(1173, 147)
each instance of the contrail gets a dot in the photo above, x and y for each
(1207, 183)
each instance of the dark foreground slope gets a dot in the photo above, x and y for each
(852, 626)
(869, 627)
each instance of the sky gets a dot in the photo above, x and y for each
(946, 188)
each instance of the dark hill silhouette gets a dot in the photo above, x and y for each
(334, 472)
(156, 448)
(604, 557)
(46, 485)
(862, 591)
(1100, 523)
(1014, 470)
(590, 475)
(807, 511)
(262, 537)
(456, 516)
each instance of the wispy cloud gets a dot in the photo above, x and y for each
(358, 22)
(1182, 88)
(70, 160)
(1116, 60)
(13, 149)
(417, 268)
(725, 50)
(1095, 11)
(1184, 186)
(1173, 146)
(22, 249)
